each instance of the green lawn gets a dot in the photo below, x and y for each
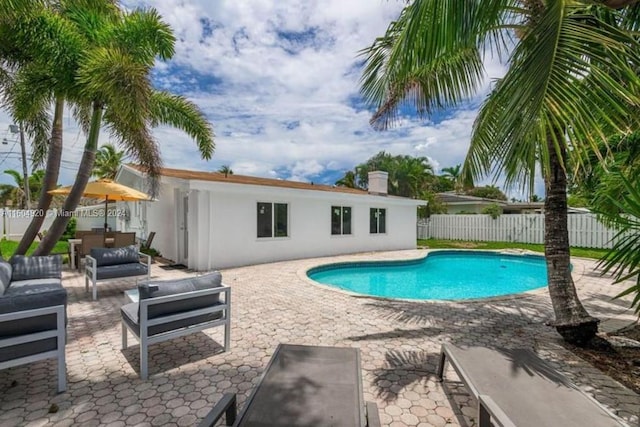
(8, 247)
(459, 244)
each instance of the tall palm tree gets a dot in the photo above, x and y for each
(108, 161)
(108, 82)
(29, 85)
(561, 95)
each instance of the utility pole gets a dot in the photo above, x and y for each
(25, 171)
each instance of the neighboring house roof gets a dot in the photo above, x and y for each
(453, 198)
(251, 180)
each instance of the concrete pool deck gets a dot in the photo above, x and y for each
(276, 303)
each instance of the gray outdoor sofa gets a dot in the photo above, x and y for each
(173, 308)
(114, 263)
(33, 312)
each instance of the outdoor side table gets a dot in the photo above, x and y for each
(132, 295)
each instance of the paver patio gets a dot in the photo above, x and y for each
(274, 303)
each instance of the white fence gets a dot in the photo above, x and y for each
(584, 229)
(16, 221)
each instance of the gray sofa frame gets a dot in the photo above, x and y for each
(91, 273)
(224, 308)
(59, 332)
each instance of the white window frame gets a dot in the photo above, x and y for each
(377, 232)
(342, 208)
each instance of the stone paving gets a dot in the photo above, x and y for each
(276, 303)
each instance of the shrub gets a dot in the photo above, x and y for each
(151, 252)
(70, 231)
(493, 210)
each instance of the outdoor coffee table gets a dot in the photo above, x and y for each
(304, 386)
(132, 295)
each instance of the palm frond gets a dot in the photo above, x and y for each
(115, 79)
(431, 57)
(559, 86)
(139, 144)
(177, 111)
(146, 36)
(623, 260)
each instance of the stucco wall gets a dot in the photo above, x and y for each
(223, 223)
(227, 226)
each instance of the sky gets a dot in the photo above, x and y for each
(279, 81)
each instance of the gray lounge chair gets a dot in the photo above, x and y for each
(304, 386)
(514, 387)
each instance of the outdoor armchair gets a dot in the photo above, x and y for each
(170, 309)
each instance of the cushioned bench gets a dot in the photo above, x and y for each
(169, 309)
(514, 387)
(33, 312)
(114, 263)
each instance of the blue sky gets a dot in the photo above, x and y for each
(279, 82)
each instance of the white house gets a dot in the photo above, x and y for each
(209, 220)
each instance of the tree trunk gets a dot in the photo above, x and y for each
(572, 320)
(54, 157)
(82, 178)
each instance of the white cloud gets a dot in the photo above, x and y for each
(279, 82)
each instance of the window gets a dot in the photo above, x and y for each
(377, 221)
(273, 220)
(340, 220)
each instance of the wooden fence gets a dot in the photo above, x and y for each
(584, 229)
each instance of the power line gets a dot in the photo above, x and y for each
(10, 151)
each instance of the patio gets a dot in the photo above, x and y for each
(276, 303)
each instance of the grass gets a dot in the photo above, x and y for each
(8, 247)
(460, 244)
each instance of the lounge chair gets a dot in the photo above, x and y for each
(514, 387)
(303, 386)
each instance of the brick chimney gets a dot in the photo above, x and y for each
(378, 181)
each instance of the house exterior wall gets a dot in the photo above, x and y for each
(227, 227)
(223, 223)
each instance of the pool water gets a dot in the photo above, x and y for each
(446, 275)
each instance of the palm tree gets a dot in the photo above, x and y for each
(108, 162)
(408, 176)
(561, 95)
(28, 77)
(226, 170)
(17, 190)
(108, 82)
(349, 180)
(452, 173)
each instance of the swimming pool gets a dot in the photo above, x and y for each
(446, 275)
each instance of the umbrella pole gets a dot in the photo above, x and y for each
(106, 206)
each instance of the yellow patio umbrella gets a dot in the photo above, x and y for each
(108, 190)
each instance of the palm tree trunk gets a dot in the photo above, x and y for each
(54, 157)
(82, 178)
(572, 320)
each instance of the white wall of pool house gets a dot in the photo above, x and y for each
(221, 222)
